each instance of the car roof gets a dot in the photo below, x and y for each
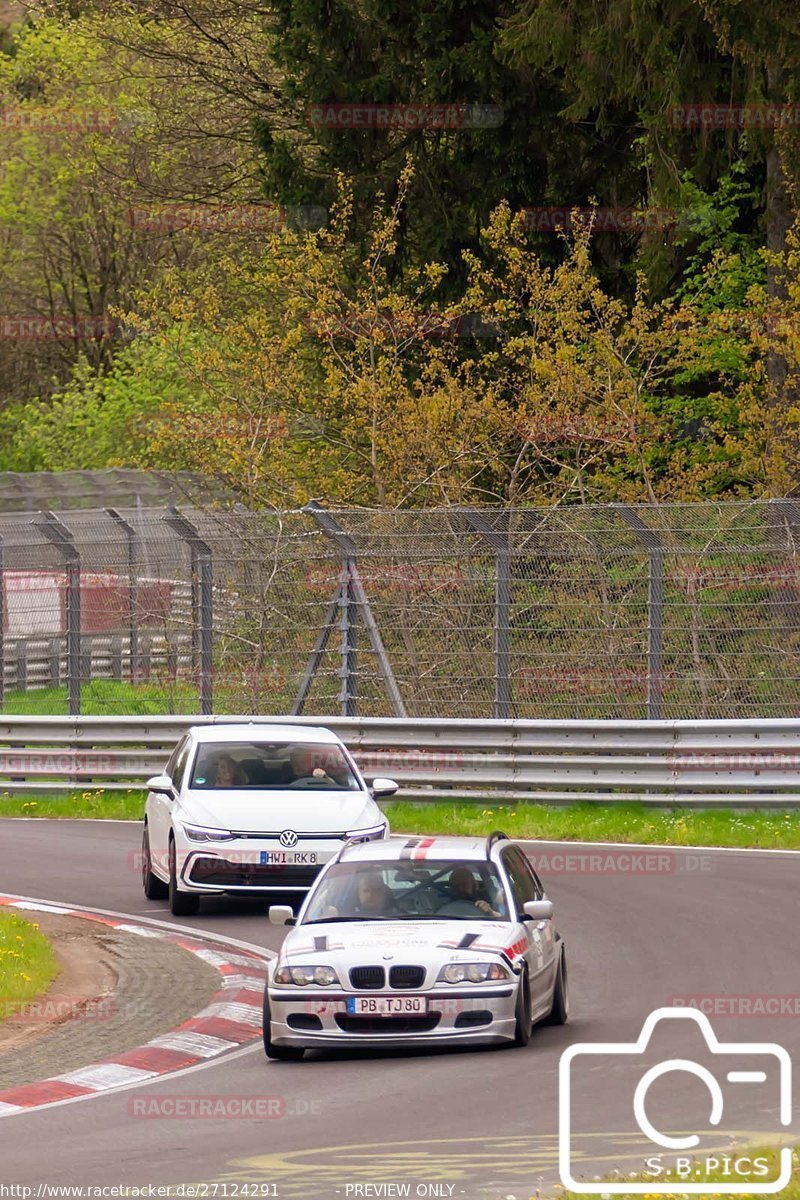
(418, 849)
(262, 731)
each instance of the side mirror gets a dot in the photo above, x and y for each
(383, 787)
(538, 910)
(162, 784)
(281, 914)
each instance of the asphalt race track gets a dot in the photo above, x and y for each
(474, 1123)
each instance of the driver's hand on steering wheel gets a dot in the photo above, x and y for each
(485, 907)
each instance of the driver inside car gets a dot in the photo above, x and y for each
(463, 886)
(302, 764)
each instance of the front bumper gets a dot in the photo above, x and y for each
(479, 1016)
(242, 865)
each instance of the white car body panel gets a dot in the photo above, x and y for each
(319, 817)
(519, 946)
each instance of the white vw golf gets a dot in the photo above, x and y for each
(253, 807)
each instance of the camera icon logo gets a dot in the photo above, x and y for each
(736, 1067)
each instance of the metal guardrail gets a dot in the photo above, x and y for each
(38, 662)
(743, 763)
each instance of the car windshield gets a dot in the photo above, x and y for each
(270, 766)
(391, 891)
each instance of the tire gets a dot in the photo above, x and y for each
(181, 904)
(280, 1053)
(524, 1025)
(154, 888)
(559, 1013)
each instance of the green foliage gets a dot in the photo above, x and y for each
(320, 347)
(27, 962)
(98, 419)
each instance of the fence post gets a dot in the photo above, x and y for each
(59, 536)
(651, 540)
(132, 542)
(2, 627)
(202, 604)
(348, 697)
(502, 611)
(353, 602)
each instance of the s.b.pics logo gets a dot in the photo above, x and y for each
(708, 1089)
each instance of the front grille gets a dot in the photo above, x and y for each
(350, 1024)
(217, 872)
(406, 977)
(368, 978)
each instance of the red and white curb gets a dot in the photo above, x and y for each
(230, 1021)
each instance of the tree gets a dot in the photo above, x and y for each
(87, 159)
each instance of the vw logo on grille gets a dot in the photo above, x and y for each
(288, 838)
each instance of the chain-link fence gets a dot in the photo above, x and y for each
(35, 490)
(613, 611)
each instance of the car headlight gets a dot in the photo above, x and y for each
(198, 833)
(480, 972)
(370, 834)
(305, 976)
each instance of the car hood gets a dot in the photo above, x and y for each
(425, 942)
(273, 811)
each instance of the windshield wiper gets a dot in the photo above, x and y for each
(328, 920)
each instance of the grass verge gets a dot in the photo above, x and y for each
(774, 829)
(27, 963)
(107, 805)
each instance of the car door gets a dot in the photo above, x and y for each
(540, 935)
(159, 808)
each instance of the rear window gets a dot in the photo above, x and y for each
(269, 766)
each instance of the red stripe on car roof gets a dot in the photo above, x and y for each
(423, 848)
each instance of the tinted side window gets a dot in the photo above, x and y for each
(523, 883)
(179, 766)
(173, 758)
(536, 882)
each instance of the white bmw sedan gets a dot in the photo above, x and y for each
(417, 941)
(253, 808)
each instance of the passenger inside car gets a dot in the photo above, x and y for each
(226, 772)
(373, 896)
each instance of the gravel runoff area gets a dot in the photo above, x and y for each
(114, 992)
